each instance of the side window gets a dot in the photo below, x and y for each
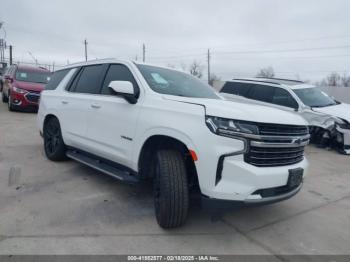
(56, 78)
(89, 81)
(284, 98)
(262, 93)
(235, 88)
(118, 72)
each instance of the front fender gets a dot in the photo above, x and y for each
(163, 131)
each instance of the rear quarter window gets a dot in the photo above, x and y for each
(56, 79)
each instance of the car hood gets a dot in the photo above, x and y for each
(341, 110)
(37, 87)
(242, 111)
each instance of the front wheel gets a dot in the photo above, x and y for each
(3, 97)
(55, 149)
(9, 103)
(171, 198)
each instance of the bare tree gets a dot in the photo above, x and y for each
(345, 80)
(267, 72)
(334, 79)
(213, 78)
(196, 69)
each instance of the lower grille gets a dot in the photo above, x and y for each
(271, 156)
(33, 97)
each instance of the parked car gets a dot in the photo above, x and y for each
(22, 86)
(136, 121)
(329, 119)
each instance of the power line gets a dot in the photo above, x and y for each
(288, 58)
(281, 50)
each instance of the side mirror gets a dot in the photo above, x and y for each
(124, 89)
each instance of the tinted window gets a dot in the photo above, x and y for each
(261, 93)
(90, 80)
(234, 88)
(283, 98)
(118, 73)
(314, 97)
(56, 78)
(172, 82)
(33, 76)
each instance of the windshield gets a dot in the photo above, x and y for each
(33, 77)
(314, 97)
(171, 82)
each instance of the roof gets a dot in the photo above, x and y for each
(112, 60)
(293, 84)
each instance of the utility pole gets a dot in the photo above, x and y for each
(85, 44)
(10, 54)
(53, 66)
(143, 52)
(208, 58)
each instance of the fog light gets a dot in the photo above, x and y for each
(339, 138)
(16, 101)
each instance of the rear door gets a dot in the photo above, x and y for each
(112, 120)
(263, 93)
(75, 105)
(282, 97)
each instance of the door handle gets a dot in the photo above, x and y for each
(95, 106)
(64, 102)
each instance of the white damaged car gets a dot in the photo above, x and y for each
(329, 120)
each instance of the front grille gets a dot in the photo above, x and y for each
(278, 145)
(280, 156)
(33, 97)
(282, 130)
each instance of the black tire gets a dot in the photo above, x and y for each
(54, 147)
(9, 103)
(171, 198)
(3, 97)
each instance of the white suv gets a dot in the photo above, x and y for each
(136, 121)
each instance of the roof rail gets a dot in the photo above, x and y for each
(255, 80)
(282, 79)
(90, 61)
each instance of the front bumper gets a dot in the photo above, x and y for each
(343, 140)
(25, 102)
(213, 203)
(236, 179)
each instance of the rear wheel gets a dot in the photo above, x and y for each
(171, 198)
(55, 149)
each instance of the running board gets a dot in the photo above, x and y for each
(102, 166)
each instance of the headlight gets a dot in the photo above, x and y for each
(19, 90)
(230, 127)
(343, 124)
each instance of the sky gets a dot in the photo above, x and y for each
(300, 39)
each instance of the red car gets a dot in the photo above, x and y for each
(22, 86)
